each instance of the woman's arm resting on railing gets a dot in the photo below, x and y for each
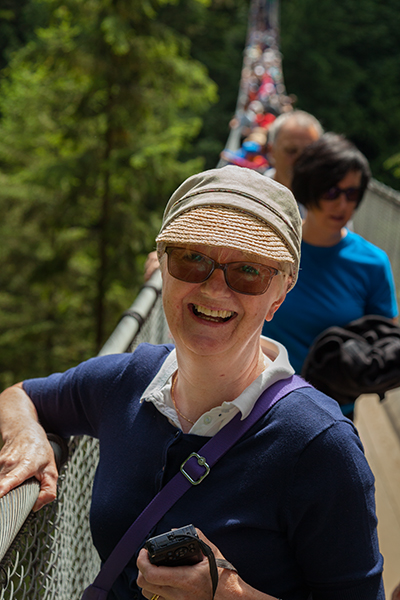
(26, 452)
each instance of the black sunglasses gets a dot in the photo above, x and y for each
(244, 277)
(352, 193)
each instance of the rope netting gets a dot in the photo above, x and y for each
(53, 555)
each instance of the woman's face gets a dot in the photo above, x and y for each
(332, 215)
(209, 318)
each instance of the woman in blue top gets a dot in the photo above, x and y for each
(342, 277)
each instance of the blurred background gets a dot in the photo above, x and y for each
(107, 105)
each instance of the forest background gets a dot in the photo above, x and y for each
(107, 105)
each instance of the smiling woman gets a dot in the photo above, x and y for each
(272, 506)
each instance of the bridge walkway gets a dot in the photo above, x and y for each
(378, 424)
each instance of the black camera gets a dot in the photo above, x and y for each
(175, 548)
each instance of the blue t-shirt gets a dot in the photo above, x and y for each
(336, 285)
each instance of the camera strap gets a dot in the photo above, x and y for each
(212, 561)
(192, 472)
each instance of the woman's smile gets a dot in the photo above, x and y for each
(214, 316)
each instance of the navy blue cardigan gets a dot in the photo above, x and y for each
(291, 505)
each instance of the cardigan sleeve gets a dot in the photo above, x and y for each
(331, 518)
(71, 403)
(79, 401)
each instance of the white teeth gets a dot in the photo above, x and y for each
(222, 314)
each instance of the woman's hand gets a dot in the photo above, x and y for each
(26, 451)
(192, 582)
(174, 583)
(151, 265)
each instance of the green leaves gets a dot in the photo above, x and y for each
(96, 112)
(341, 61)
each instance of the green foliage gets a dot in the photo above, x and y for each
(18, 20)
(393, 164)
(96, 112)
(218, 38)
(341, 60)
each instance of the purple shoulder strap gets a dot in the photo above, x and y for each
(192, 472)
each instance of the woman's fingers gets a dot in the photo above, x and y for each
(147, 578)
(30, 457)
(48, 488)
(26, 451)
(174, 583)
(151, 265)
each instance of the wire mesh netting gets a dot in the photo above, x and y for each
(154, 329)
(378, 221)
(53, 555)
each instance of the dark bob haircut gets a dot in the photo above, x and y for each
(323, 164)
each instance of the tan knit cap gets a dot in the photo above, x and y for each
(237, 208)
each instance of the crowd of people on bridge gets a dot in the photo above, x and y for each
(262, 96)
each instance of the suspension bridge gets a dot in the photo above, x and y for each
(50, 554)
